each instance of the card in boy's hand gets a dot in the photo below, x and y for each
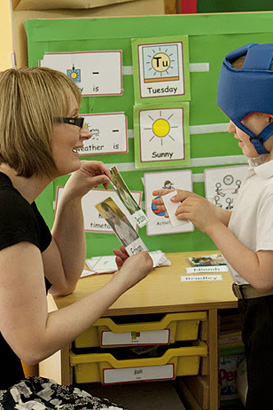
(121, 226)
(126, 198)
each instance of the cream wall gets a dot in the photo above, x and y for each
(5, 35)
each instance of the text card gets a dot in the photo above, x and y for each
(222, 185)
(93, 221)
(95, 72)
(162, 135)
(109, 134)
(158, 224)
(161, 68)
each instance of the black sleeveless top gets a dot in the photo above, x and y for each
(19, 222)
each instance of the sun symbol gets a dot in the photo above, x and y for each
(74, 74)
(161, 127)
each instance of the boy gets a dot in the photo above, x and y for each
(245, 236)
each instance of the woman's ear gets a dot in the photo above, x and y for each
(270, 118)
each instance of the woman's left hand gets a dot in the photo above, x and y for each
(90, 175)
(121, 256)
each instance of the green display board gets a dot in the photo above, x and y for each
(210, 38)
(223, 6)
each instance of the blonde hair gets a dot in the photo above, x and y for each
(238, 63)
(30, 100)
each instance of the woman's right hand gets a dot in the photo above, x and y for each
(134, 269)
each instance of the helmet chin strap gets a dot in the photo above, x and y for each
(258, 145)
(257, 140)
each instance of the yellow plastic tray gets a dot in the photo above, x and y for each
(173, 327)
(98, 367)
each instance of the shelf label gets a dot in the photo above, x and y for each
(134, 374)
(201, 278)
(109, 338)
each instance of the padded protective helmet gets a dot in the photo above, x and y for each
(248, 90)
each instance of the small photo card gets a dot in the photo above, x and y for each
(121, 226)
(207, 260)
(158, 224)
(222, 184)
(126, 198)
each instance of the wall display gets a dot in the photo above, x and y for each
(109, 134)
(93, 221)
(158, 224)
(161, 68)
(161, 135)
(95, 72)
(127, 88)
(222, 185)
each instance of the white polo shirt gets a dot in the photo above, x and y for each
(252, 217)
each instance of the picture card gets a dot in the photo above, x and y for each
(94, 72)
(222, 184)
(158, 224)
(126, 198)
(93, 221)
(161, 68)
(108, 134)
(207, 260)
(171, 208)
(161, 135)
(121, 226)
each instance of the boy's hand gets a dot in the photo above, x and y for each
(193, 208)
(179, 197)
(198, 210)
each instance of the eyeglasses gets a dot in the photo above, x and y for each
(78, 121)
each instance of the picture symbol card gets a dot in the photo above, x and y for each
(158, 224)
(222, 184)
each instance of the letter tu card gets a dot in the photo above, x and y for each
(121, 226)
(161, 69)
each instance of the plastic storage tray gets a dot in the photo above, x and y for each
(173, 327)
(105, 368)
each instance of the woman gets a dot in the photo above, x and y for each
(39, 136)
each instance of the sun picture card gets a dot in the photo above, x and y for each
(109, 134)
(158, 224)
(94, 72)
(161, 68)
(93, 221)
(161, 135)
(121, 226)
(222, 184)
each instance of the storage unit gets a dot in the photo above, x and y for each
(173, 327)
(162, 293)
(105, 368)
